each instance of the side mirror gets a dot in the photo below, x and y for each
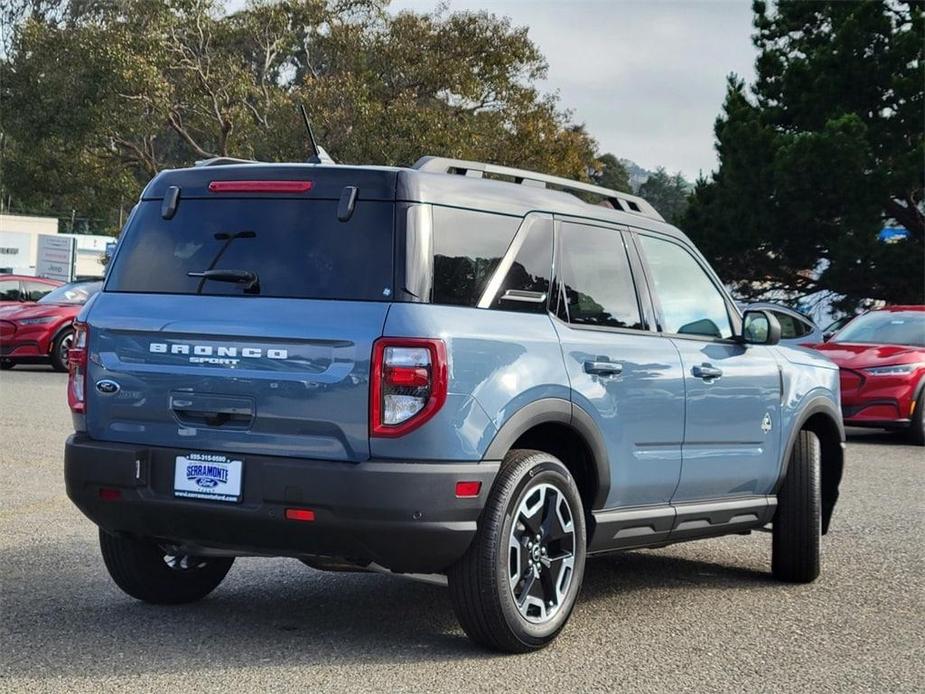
(827, 336)
(760, 327)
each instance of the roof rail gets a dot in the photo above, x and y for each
(621, 201)
(223, 161)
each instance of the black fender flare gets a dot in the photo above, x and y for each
(832, 468)
(919, 391)
(557, 411)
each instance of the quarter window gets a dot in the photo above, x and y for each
(468, 246)
(690, 302)
(526, 284)
(599, 287)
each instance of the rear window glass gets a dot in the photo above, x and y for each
(295, 248)
(468, 246)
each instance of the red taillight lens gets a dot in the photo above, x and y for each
(77, 370)
(408, 384)
(260, 186)
(110, 494)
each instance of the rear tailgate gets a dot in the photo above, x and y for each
(242, 321)
(285, 377)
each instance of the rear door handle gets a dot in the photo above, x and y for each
(706, 372)
(603, 368)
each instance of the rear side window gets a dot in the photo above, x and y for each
(526, 285)
(36, 290)
(296, 249)
(599, 287)
(468, 246)
(9, 290)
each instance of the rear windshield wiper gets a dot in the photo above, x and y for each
(249, 279)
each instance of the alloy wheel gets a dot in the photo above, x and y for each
(541, 556)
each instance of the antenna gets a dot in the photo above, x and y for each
(308, 127)
(319, 156)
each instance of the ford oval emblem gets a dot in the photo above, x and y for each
(107, 387)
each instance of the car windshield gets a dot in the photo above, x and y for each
(887, 328)
(74, 293)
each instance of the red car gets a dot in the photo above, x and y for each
(882, 360)
(17, 289)
(42, 331)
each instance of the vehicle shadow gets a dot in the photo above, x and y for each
(69, 619)
(879, 437)
(29, 368)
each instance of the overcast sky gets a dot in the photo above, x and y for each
(647, 77)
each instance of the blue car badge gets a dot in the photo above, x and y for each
(107, 387)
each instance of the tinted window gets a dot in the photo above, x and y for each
(791, 327)
(468, 246)
(36, 290)
(529, 273)
(691, 304)
(598, 282)
(9, 290)
(297, 248)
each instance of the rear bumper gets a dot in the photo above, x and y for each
(402, 515)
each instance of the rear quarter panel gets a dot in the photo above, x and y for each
(499, 362)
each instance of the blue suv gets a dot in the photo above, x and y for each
(456, 368)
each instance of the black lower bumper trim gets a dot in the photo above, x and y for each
(402, 515)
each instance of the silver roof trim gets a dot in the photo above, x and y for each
(633, 204)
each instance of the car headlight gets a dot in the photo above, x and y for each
(895, 370)
(35, 321)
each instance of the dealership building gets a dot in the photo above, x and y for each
(32, 246)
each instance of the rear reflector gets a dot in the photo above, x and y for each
(260, 186)
(110, 494)
(300, 514)
(466, 490)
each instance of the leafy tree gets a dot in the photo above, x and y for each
(612, 174)
(667, 193)
(828, 147)
(98, 95)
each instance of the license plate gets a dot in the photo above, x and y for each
(208, 476)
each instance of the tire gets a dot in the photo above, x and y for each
(147, 572)
(916, 431)
(59, 349)
(797, 528)
(6, 364)
(504, 612)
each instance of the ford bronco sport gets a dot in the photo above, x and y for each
(455, 368)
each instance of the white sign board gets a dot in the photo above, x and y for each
(55, 258)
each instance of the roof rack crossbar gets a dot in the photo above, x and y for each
(621, 201)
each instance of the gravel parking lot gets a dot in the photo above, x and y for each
(703, 616)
